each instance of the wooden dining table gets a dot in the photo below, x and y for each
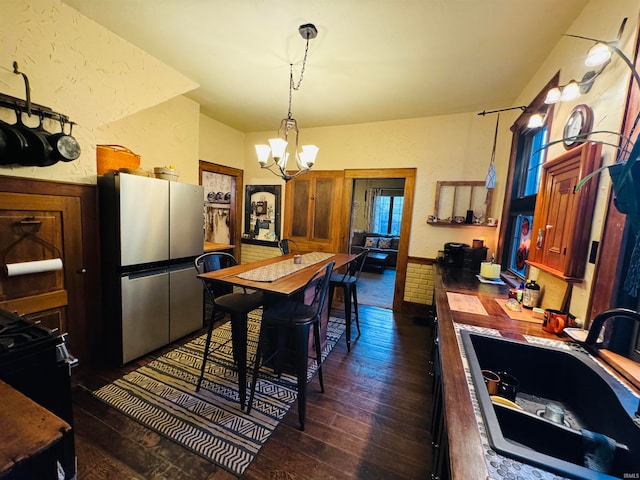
(285, 286)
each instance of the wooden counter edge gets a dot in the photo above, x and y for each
(466, 453)
(27, 428)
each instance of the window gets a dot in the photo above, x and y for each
(526, 180)
(387, 212)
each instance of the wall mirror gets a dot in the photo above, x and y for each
(262, 212)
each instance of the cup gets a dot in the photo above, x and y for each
(492, 222)
(508, 386)
(554, 321)
(297, 259)
(491, 380)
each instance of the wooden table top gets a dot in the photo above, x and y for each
(283, 286)
(27, 428)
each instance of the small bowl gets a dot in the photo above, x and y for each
(166, 173)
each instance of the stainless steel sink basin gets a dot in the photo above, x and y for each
(590, 397)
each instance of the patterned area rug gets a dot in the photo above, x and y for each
(161, 396)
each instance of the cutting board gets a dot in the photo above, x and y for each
(555, 292)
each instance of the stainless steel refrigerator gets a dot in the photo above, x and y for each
(151, 230)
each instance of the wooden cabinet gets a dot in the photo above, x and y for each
(562, 219)
(312, 210)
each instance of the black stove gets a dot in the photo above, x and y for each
(19, 335)
(34, 360)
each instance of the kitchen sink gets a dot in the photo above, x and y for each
(590, 398)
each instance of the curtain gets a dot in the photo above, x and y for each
(372, 195)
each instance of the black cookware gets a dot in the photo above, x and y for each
(38, 151)
(12, 144)
(65, 147)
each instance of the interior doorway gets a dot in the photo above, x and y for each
(376, 216)
(379, 186)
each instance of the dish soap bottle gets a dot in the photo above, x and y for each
(531, 294)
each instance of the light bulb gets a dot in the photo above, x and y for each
(553, 96)
(308, 155)
(278, 146)
(597, 55)
(536, 120)
(571, 91)
(263, 154)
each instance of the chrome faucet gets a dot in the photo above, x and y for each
(596, 326)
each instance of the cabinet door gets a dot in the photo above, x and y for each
(562, 220)
(312, 210)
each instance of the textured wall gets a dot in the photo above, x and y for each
(80, 69)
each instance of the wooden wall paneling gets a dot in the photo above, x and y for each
(78, 305)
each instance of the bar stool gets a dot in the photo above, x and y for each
(237, 305)
(285, 246)
(297, 316)
(348, 282)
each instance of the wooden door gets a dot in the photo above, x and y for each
(561, 210)
(312, 210)
(35, 228)
(562, 220)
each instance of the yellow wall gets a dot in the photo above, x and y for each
(80, 69)
(119, 94)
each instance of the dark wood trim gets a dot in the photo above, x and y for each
(236, 198)
(422, 261)
(87, 325)
(521, 123)
(607, 275)
(409, 175)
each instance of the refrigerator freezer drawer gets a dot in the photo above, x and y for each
(145, 313)
(186, 302)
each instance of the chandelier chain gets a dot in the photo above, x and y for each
(292, 84)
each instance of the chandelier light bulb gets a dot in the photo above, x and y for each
(278, 147)
(308, 155)
(263, 152)
(598, 55)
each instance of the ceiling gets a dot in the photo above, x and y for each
(373, 60)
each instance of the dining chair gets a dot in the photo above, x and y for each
(348, 282)
(286, 245)
(237, 305)
(299, 317)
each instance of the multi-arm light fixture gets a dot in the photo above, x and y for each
(599, 55)
(281, 148)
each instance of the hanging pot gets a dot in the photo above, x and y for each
(38, 152)
(12, 143)
(65, 147)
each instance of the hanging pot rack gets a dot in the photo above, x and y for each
(27, 106)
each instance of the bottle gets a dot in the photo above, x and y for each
(531, 294)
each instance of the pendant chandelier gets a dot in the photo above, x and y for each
(275, 156)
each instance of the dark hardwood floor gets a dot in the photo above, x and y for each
(372, 422)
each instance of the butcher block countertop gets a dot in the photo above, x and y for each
(465, 444)
(27, 428)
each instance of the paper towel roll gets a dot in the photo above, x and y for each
(39, 266)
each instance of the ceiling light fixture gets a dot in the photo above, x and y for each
(277, 148)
